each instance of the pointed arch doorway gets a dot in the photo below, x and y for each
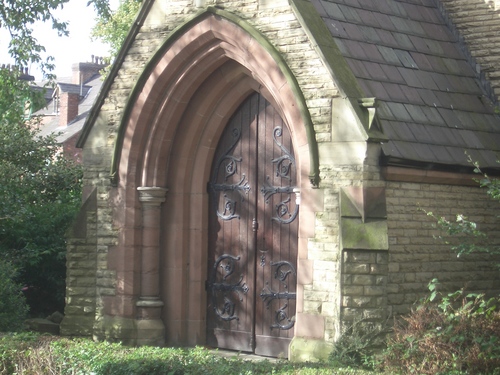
(253, 234)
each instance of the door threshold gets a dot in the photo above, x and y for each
(244, 355)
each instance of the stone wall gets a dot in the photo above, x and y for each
(387, 265)
(477, 21)
(364, 285)
(320, 266)
(416, 256)
(81, 265)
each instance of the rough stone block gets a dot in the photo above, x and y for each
(374, 290)
(352, 290)
(379, 269)
(309, 350)
(356, 268)
(363, 280)
(362, 302)
(374, 314)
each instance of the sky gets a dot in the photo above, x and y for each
(77, 47)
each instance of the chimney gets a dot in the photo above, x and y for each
(82, 72)
(68, 107)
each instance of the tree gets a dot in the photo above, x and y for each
(18, 17)
(39, 195)
(39, 189)
(112, 28)
(13, 308)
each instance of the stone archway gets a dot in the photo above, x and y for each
(168, 137)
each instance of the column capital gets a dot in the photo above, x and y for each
(152, 194)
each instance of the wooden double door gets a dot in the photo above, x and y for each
(253, 225)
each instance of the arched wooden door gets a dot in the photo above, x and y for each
(253, 234)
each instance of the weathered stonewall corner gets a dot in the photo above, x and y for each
(256, 171)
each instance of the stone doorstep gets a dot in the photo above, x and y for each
(242, 355)
(42, 326)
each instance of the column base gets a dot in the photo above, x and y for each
(150, 333)
(130, 332)
(309, 350)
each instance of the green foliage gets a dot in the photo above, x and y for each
(13, 307)
(18, 17)
(26, 353)
(46, 355)
(450, 334)
(39, 195)
(112, 28)
(470, 238)
(359, 344)
(39, 189)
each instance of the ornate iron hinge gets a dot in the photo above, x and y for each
(282, 272)
(227, 311)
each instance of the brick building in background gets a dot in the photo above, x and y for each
(256, 173)
(69, 104)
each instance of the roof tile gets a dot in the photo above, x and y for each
(398, 130)
(442, 154)
(429, 98)
(358, 68)
(386, 37)
(352, 31)
(376, 72)
(433, 115)
(368, 18)
(336, 29)
(355, 49)
(406, 59)
(450, 117)
(419, 44)
(412, 95)
(399, 112)
(376, 89)
(395, 92)
(393, 74)
(333, 10)
(410, 77)
(368, 4)
(403, 41)
(489, 140)
(389, 55)
(416, 113)
(350, 14)
(431, 104)
(470, 139)
(383, 6)
(402, 25)
(421, 61)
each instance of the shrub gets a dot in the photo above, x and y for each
(32, 354)
(26, 353)
(13, 307)
(452, 334)
(359, 344)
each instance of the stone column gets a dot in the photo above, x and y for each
(150, 327)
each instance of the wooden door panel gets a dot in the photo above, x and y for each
(253, 234)
(230, 318)
(277, 209)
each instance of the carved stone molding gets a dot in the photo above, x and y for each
(153, 195)
(149, 303)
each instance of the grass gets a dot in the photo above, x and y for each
(31, 354)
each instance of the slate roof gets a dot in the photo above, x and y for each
(74, 88)
(51, 121)
(432, 105)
